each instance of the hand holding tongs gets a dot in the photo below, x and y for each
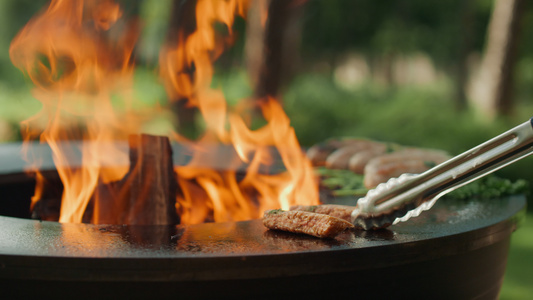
(401, 198)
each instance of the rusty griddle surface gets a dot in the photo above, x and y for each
(47, 250)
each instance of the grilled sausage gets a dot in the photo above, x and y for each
(340, 158)
(358, 161)
(409, 160)
(320, 152)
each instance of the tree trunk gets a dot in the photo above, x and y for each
(465, 47)
(147, 193)
(272, 49)
(183, 22)
(492, 90)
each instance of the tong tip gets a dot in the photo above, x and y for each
(368, 221)
(367, 216)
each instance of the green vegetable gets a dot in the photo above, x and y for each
(490, 187)
(346, 183)
(345, 192)
(430, 164)
(341, 182)
(392, 147)
(311, 208)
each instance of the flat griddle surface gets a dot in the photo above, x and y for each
(244, 249)
(247, 238)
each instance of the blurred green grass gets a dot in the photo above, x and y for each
(16, 105)
(518, 282)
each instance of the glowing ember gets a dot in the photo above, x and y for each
(79, 56)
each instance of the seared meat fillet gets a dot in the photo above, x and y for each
(339, 211)
(319, 225)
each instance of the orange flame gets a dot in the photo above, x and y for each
(78, 69)
(79, 56)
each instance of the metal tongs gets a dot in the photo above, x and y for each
(402, 198)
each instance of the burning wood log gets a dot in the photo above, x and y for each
(152, 181)
(48, 204)
(147, 193)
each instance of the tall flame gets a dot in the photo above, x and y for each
(79, 68)
(79, 56)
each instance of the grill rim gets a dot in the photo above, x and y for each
(209, 267)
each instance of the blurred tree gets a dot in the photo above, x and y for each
(182, 23)
(448, 31)
(493, 89)
(463, 52)
(155, 19)
(13, 16)
(273, 44)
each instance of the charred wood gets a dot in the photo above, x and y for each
(47, 207)
(147, 193)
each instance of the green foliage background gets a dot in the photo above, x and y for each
(317, 105)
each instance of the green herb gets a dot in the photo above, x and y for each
(430, 164)
(311, 208)
(490, 187)
(392, 147)
(345, 192)
(341, 182)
